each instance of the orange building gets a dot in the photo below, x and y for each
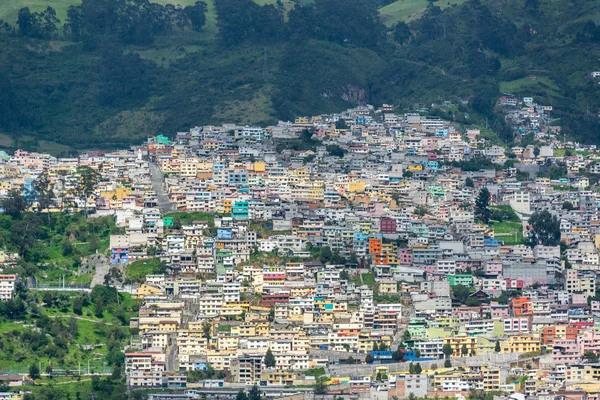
(550, 333)
(375, 246)
(521, 306)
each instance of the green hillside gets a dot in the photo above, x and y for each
(104, 90)
(408, 10)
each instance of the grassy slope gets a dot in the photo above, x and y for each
(408, 10)
(90, 332)
(137, 270)
(199, 82)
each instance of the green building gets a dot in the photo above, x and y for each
(168, 222)
(239, 210)
(460, 279)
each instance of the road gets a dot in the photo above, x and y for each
(158, 184)
(172, 357)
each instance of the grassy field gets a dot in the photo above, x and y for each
(407, 10)
(509, 232)
(137, 270)
(519, 86)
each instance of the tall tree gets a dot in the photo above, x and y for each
(270, 361)
(464, 351)
(254, 393)
(88, 179)
(73, 27)
(14, 204)
(546, 228)
(196, 14)
(447, 350)
(43, 193)
(481, 205)
(34, 372)
(241, 395)
(207, 332)
(402, 32)
(24, 233)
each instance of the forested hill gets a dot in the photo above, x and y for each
(104, 73)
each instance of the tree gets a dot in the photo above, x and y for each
(254, 393)
(74, 24)
(207, 331)
(369, 359)
(536, 152)
(447, 350)
(567, 205)
(113, 277)
(590, 356)
(196, 14)
(43, 193)
(469, 182)
(398, 355)
(34, 372)
(447, 363)
(411, 368)
(375, 347)
(341, 124)
(241, 395)
(406, 336)
(464, 351)
(320, 387)
(335, 150)
(460, 293)
(497, 347)
(99, 310)
(24, 233)
(481, 205)
(546, 228)
(14, 204)
(41, 25)
(418, 369)
(270, 361)
(86, 184)
(402, 33)
(77, 306)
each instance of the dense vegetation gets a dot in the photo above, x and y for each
(114, 71)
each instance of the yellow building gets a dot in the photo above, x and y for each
(520, 344)
(145, 290)
(457, 343)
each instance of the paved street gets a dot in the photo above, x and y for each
(158, 185)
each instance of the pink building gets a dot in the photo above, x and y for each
(499, 311)
(493, 268)
(405, 256)
(595, 306)
(514, 284)
(579, 299)
(589, 341)
(566, 351)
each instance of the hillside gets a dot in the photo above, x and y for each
(63, 94)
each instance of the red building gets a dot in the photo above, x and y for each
(270, 299)
(387, 226)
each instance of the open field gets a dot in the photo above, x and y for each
(408, 10)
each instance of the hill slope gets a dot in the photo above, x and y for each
(105, 94)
